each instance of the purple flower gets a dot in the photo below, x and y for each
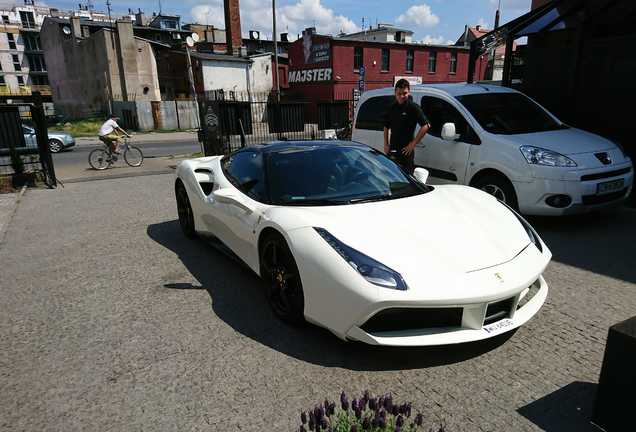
(398, 428)
(408, 409)
(303, 417)
(373, 403)
(326, 405)
(375, 422)
(419, 419)
(354, 428)
(318, 414)
(395, 410)
(388, 402)
(323, 423)
(399, 421)
(382, 414)
(382, 422)
(358, 413)
(311, 422)
(354, 404)
(332, 409)
(366, 394)
(381, 402)
(366, 423)
(343, 397)
(344, 402)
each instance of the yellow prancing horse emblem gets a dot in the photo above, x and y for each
(499, 277)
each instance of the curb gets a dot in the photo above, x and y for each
(3, 230)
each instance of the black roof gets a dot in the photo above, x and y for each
(279, 146)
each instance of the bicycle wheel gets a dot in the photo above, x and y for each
(133, 156)
(99, 159)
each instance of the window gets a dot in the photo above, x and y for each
(5, 19)
(40, 80)
(2, 81)
(439, 112)
(32, 43)
(16, 62)
(453, 63)
(410, 54)
(358, 59)
(20, 80)
(27, 19)
(245, 170)
(11, 39)
(36, 62)
(432, 61)
(372, 113)
(386, 59)
(509, 113)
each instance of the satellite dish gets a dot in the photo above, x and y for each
(66, 30)
(195, 37)
(189, 41)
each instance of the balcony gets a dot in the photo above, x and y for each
(5, 90)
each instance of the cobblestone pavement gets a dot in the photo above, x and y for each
(111, 320)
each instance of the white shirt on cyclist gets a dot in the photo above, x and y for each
(108, 127)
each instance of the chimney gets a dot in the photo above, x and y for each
(233, 27)
(139, 18)
(127, 58)
(466, 35)
(477, 27)
(497, 19)
(76, 27)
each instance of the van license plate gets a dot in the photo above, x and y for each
(610, 186)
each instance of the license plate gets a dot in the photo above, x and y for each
(610, 186)
(498, 326)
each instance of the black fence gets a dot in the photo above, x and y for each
(24, 141)
(231, 120)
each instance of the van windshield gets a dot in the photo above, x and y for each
(508, 113)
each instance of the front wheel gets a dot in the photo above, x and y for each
(99, 159)
(55, 146)
(284, 287)
(499, 187)
(133, 156)
(184, 209)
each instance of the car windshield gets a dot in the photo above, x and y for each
(333, 175)
(508, 113)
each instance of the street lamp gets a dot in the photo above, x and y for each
(275, 51)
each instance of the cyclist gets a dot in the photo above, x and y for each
(109, 133)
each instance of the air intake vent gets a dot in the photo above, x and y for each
(498, 311)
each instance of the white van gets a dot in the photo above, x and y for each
(499, 140)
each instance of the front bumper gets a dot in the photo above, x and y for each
(580, 185)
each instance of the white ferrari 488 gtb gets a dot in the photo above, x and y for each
(347, 240)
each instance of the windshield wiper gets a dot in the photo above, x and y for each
(319, 201)
(371, 199)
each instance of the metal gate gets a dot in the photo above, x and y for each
(24, 141)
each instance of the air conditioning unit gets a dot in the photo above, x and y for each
(255, 35)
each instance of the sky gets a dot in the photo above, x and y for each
(432, 21)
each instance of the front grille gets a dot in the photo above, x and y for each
(606, 174)
(395, 319)
(498, 311)
(602, 199)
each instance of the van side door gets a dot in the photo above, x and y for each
(446, 161)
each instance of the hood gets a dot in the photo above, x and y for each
(450, 230)
(565, 141)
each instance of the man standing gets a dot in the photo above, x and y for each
(109, 133)
(401, 119)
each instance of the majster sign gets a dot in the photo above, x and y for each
(309, 75)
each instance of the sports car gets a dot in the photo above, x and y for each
(347, 240)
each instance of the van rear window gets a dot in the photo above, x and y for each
(372, 113)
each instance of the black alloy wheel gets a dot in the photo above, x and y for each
(499, 187)
(186, 217)
(284, 287)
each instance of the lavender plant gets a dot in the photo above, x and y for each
(364, 414)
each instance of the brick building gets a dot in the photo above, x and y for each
(327, 68)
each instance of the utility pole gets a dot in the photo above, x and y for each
(276, 80)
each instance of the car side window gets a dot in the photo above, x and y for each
(245, 170)
(438, 112)
(372, 113)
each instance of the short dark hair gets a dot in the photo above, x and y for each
(402, 84)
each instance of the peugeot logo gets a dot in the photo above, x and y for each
(604, 158)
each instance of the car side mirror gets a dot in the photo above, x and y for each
(421, 175)
(229, 196)
(449, 133)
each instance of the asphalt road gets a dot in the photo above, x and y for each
(111, 320)
(79, 155)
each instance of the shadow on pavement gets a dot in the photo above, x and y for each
(238, 299)
(603, 243)
(568, 409)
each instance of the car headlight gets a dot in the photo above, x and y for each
(373, 271)
(534, 237)
(541, 156)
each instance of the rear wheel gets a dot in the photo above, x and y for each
(284, 287)
(186, 217)
(99, 159)
(499, 187)
(133, 156)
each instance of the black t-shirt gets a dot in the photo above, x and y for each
(401, 120)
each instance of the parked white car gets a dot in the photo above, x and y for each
(345, 239)
(501, 141)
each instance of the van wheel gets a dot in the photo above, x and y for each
(499, 187)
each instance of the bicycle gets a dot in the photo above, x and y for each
(103, 158)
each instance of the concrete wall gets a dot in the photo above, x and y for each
(187, 114)
(226, 75)
(158, 115)
(260, 73)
